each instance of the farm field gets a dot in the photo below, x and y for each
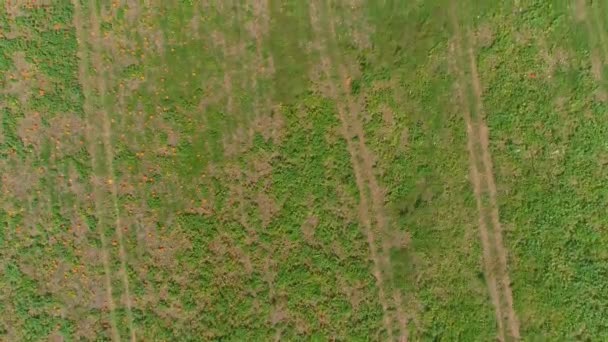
(342, 170)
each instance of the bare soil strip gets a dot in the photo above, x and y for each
(482, 179)
(82, 37)
(371, 206)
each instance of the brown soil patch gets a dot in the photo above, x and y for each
(482, 179)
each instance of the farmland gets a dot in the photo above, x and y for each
(352, 170)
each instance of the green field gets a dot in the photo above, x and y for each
(322, 170)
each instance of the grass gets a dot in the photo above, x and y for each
(196, 171)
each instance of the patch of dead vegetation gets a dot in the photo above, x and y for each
(23, 80)
(308, 230)
(580, 10)
(20, 180)
(20, 8)
(71, 282)
(523, 38)
(354, 291)
(259, 26)
(399, 239)
(279, 314)
(250, 184)
(321, 82)
(15, 8)
(29, 131)
(240, 141)
(271, 127)
(404, 139)
(357, 26)
(67, 132)
(596, 66)
(484, 36)
(388, 121)
(601, 95)
(554, 59)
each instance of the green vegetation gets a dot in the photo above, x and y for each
(258, 170)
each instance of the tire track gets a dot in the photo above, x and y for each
(376, 195)
(106, 139)
(495, 216)
(371, 206)
(109, 159)
(81, 35)
(475, 179)
(482, 179)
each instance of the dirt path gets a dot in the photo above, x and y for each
(82, 37)
(482, 179)
(102, 134)
(371, 206)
